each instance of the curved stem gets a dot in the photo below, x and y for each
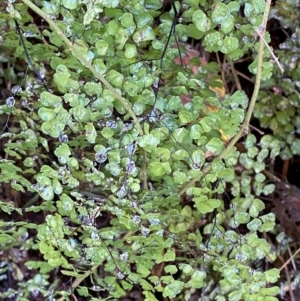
(245, 125)
(85, 62)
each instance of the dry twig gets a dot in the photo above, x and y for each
(259, 33)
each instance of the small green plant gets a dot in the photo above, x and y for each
(128, 183)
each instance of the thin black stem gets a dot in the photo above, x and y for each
(19, 30)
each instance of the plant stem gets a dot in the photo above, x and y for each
(271, 51)
(77, 281)
(245, 125)
(86, 63)
(235, 75)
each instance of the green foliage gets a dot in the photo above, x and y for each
(277, 108)
(104, 142)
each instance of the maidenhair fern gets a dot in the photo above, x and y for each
(123, 186)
